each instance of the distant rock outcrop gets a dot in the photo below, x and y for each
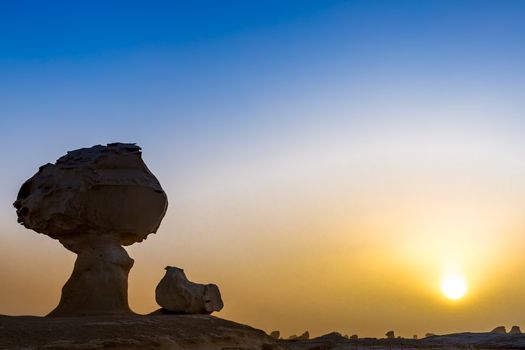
(515, 330)
(390, 335)
(304, 336)
(499, 330)
(275, 334)
(354, 336)
(177, 294)
(94, 201)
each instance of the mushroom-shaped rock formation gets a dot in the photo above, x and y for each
(176, 294)
(390, 335)
(94, 201)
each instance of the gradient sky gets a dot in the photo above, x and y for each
(326, 162)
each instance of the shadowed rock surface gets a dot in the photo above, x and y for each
(459, 341)
(176, 294)
(94, 201)
(176, 332)
(173, 332)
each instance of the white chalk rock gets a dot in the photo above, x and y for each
(177, 294)
(94, 200)
(94, 191)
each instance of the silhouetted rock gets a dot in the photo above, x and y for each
(275, 334)
(515, 330)
(177, 294)
(354, 336)
(499, 330)
(414, 336)
(390, 335)
(332, 336)
(304, 336)
(429, 335)
(94, 200)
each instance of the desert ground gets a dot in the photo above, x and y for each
(176, 332)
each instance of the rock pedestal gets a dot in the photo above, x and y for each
(99, 282)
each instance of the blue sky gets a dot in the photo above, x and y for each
(155, 68)
(229, 53)
(281, 119)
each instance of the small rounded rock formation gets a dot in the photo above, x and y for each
(275, 334)
(499, 330)
(94, 201)
(176, 294)
(515, 330)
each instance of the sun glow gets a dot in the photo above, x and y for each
(454, 287)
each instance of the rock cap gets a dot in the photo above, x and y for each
(100, 190)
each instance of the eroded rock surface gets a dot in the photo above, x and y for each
(177, 294)
(94, 201)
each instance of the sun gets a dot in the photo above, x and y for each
(454, 287)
